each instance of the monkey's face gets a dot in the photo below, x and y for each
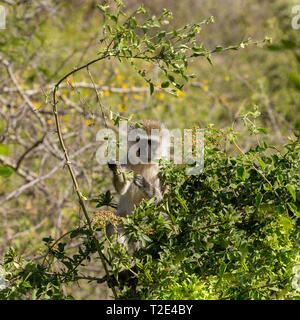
(149, 149)
(143, 148)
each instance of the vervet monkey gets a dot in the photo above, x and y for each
(145, 144)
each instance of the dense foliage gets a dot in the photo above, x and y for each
(230, 233)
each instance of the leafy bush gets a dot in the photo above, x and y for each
(231, 232)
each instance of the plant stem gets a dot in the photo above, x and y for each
(68, 162)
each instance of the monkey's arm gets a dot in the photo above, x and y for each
(119, 180)
(148, 189)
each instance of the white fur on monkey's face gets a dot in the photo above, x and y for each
(144, 148)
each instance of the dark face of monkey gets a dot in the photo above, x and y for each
(147, 150)
(145, 143)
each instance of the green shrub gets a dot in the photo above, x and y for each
(231, 232)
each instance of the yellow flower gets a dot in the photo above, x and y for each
(49, 121)
(124, 85)
(107, 93)
(205, 87)
(89, 122)
(119, 78)
(36, 104)
(180, 94)
(227, 78)
(122, 107)
(137, 97)
(160, 95)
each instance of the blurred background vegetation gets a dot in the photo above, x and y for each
(46, 39)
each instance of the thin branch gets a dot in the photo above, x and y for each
(19, 234)
(75, 183)
(24, 187)
(8, 67)
(36, 144)
(98, 96)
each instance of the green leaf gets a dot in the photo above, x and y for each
(292, 191)
(171, 78)
(280, 179)
(141, 9)
(61, 247)
(151, 88)
(183, 204)
(208, 57)
(162, 34)
(76, 232)
(4, 150)
(260, 161)
(197, 49)
(288, 44)
(286, 223)
(241, 173)
(294, 78)
(262, 130)
(218, 49)
(102, 8)
(112, 17)
(294, 209)
(165, 84)
(47, 239)
(273, 47)
(25, 284)
(258, 199)
(6, 171)
(222, 269)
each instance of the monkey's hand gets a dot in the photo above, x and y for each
(144, 185)
(140, 182)
(114, 165)
(148, 189)
(119, 178)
